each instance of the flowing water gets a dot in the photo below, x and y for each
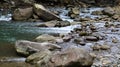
(11, 31)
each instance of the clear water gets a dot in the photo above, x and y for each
(11, 31)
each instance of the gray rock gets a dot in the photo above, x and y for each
(74, 12)
(72, 57)
(105, 47)
(26, 47)
(44, 13)
(97, 13)
(46, 37)
(21, 14)
(108, 11)
(54, 23)
(67, 38)
(91, 38)
(39, 57)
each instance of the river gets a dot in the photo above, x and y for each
(11, 31)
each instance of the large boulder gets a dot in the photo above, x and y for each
(27, 47)
(71, 57)
(22, 13)
(44, 13)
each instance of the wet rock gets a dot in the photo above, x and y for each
(100, 36)
(74, 12)
(46, 37)
(72, 56)
(44, 13)
(85, 19)
(93, 28)
(105, 47)
(26, 47)
(91, 38)
(97, 13)
(62, 24)
(115, 40)
(107, 24)
(108, 11)
(21, 14)
(106, 61)
(115, 17)
(83, 33)
(96, 47)
(79, 41)
(39, 57)
(67, 38)
(54, 23)
(78, 29)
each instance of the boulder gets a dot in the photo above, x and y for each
(21, 14)
(26, 48)
(72, 57)
(44, 13)
(46, 37)
(39, 57)
(108, 11)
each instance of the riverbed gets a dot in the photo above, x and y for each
(11, 31)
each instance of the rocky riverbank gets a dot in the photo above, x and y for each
(94, 42)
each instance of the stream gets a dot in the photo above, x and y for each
(11, 31)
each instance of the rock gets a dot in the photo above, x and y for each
(115, 17)
(62, 24)
(79, 41)
(21, 14)
(72, 57)
(106, 61)
(115, 40)
(46, 37)
(26, 47)
(67, 38)
(91, 38)
(74, 12)
(59, 41)
(44, 13)
(97, 13)
(108, 11)
(39, 57)
(85, 19)
(105, 47)
(83, 33)
(96, 47)
(51, 23)
(54, 23)
(93, 28)
(78, 29)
